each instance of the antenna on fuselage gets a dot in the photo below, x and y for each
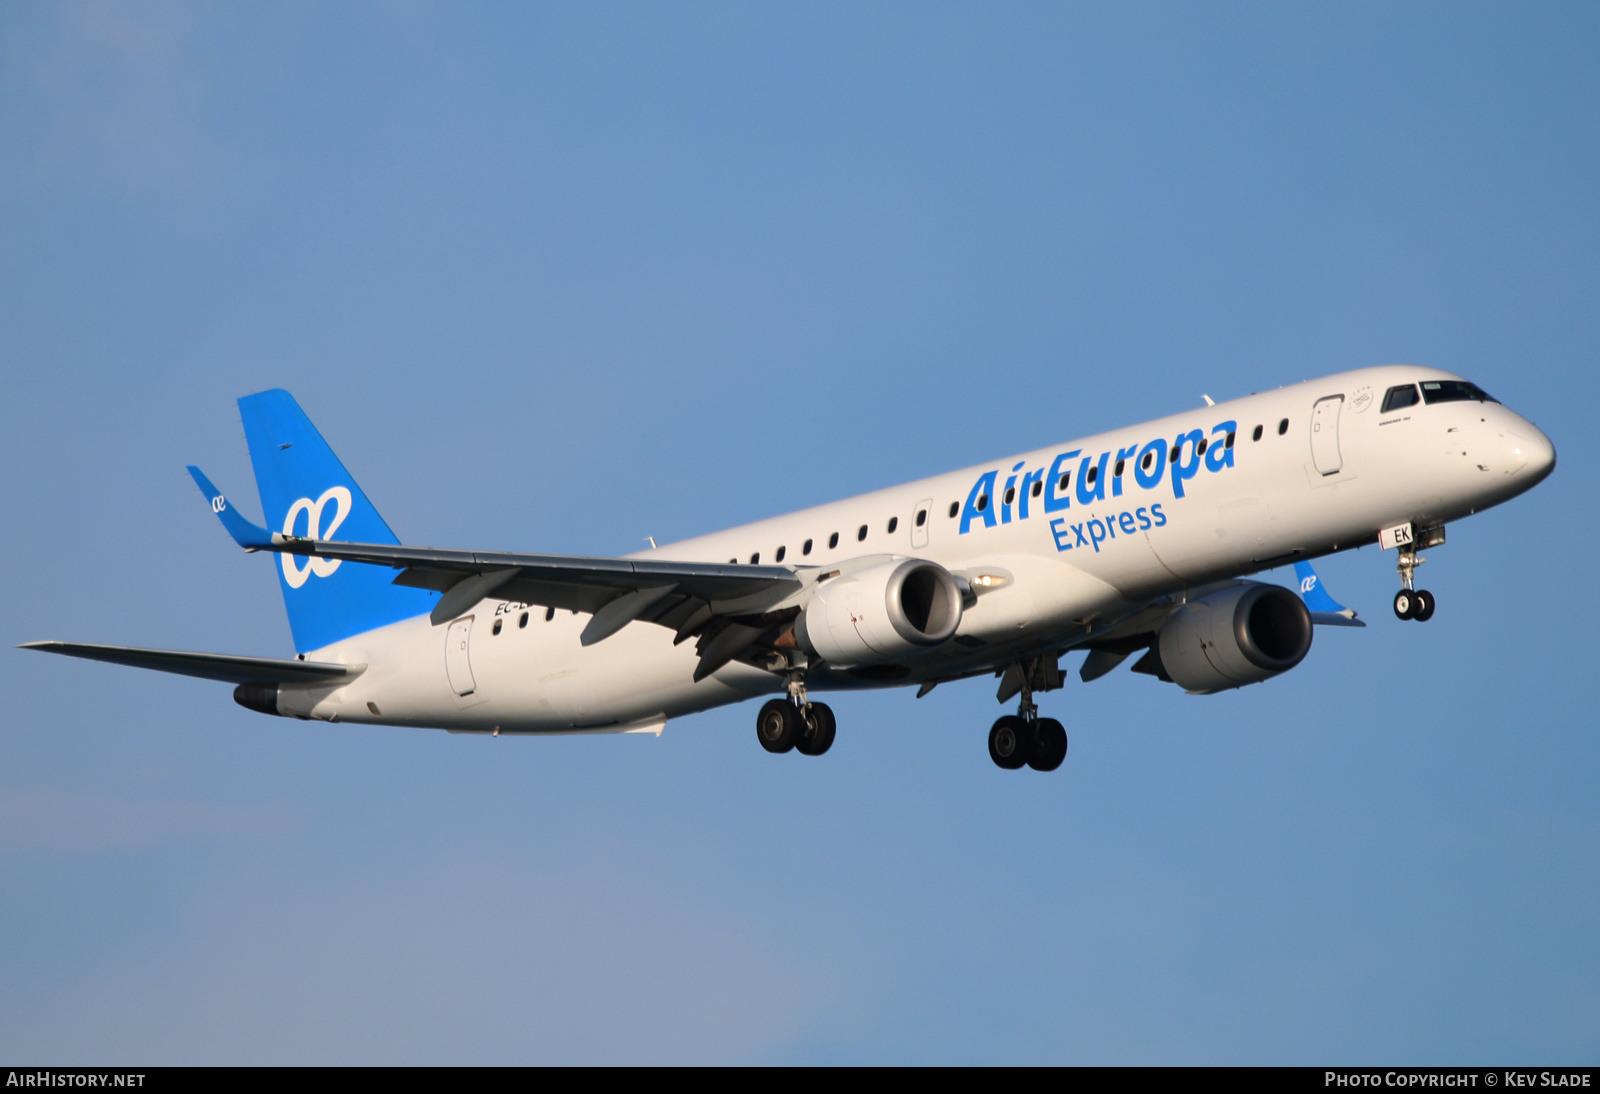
(1208, 399)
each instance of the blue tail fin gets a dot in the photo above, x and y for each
(306, 491)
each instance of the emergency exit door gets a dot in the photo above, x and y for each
(921, 517)
(1325, 435)
(457, 662)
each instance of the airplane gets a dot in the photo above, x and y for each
(1136, 541)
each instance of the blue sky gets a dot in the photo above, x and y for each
(559, 278)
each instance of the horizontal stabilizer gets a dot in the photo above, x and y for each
(1325, 610)
(207, 666)
(249, 536)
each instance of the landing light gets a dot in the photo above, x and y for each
(988, 581)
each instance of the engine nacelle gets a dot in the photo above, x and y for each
(1238, 636)
(262, 698)
(880, 614)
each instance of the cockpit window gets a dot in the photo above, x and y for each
(1400, 397)
(1454, 391)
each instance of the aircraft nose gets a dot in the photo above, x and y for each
(1529, 447)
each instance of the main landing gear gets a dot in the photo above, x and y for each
(1024, 739)
(794, 722)
(1411, 602)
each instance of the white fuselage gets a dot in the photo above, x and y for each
(1063, 562)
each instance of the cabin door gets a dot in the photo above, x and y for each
(1325, 435)
(457, 663)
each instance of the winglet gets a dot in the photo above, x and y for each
(247, 535)
(1325, 610)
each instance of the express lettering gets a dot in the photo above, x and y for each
(1093, 532)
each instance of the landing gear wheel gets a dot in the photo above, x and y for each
(1425, 605)
(1010, 742)
(1405, 604)
(816, 739)
(778, 725)
(1049, 745)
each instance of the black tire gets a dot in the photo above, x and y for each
(1010, 742)
(1049, 745)
(1425, 606)
(816, 739)
(1405, 604)
(777, 725)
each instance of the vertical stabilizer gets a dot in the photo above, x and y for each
(306, 491)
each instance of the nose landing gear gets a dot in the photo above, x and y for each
(1411, 602)
(1414, 604)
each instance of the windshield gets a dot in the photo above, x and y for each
(1454, 391)
(1398, 398)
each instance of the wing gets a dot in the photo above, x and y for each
(731, 608)
(667, 592)
(615, 591)
(207, 666)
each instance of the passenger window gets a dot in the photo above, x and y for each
(955, 507)
(1172, 457)
(1062, 485)
(1117, 471)
(1397, 398)
(1283, 427)
(1256, 436)
(983, 502)
(550, 612)
(1230, 440)
(894, 522)
(777, 555)
(1148, 457)
(833, 541)
(1200, 449)
(1038, 488)
(1011, 494)
(861, 533)
(755, 559)
(922, 517)
(1094, 473)
(522, 621)
(498, 623)
(805, 548)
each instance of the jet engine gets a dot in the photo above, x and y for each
(879, 614)
(262, 698)
(1241, 635)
